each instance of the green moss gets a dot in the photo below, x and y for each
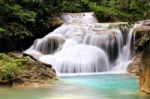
(55, 21)
(10, 66)
(119, 25)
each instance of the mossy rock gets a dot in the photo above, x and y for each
(18, 69)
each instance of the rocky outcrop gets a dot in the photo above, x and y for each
(133, 67)
(142, 35)
(142, 44)
(38, 75)
(25, 71)
(144, 79)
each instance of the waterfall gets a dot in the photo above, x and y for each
(82, 45)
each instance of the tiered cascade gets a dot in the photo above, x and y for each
(82, 45)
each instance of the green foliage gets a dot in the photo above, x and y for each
(71, 6)
(21, 20)
(9, 70)
(15, 31)
(121, 25)
(23, 15)
(142, 40)
(103, 12)
(10, 67)
(2, 30)
(119, 10)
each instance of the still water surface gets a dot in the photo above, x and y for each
(81, 87)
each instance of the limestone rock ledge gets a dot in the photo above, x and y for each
(133, 67)
(142, 44)
(26, 73)
(144, 77)
(38, 76)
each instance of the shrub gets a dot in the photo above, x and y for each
(10, 67)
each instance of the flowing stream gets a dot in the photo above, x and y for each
(82, 45)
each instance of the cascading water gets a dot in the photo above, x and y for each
(82, 45)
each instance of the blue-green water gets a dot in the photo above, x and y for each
(81, 87)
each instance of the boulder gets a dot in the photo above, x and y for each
(27, 71)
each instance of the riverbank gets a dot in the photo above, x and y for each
(18, 70)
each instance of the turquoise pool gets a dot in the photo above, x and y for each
(106, 86)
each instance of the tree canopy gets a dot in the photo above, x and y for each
(21, 20)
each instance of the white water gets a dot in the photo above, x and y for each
(82, 45)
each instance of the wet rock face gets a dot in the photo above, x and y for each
(145, 71)
(144, 26)
(107, 40)
(145, 22)
(142, 44)
(49, 45)
(134, 65)
(145, 80)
